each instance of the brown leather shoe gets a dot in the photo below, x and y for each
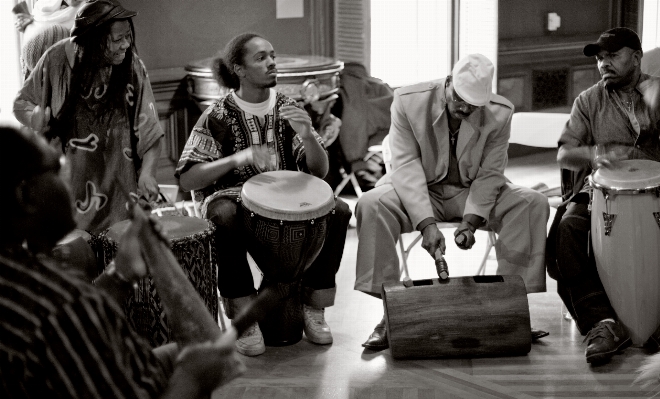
(538, 334)
(378, 339)
(605, 340)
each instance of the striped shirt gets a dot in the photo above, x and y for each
(61, 337)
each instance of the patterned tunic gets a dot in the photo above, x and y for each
(225, 129)
(61, 337)
(100, 152)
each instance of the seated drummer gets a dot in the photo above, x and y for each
(61, 336)
(449, 141)
(610, 121)
(251, 130)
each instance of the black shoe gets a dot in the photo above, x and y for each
(653, 343)
(378, 339)
(538, 334)
(605, 340)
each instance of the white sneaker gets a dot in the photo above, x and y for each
(251, 343)
(316, 329)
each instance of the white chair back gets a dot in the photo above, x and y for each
(387, 154)
(537, 129)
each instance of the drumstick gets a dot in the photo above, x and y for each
(441, 265)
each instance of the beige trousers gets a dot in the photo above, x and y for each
(519, 218)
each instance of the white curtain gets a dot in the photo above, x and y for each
(410, 40)
(650, 26)
(10, 75)
(478, 30)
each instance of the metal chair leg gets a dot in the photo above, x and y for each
(492, 237)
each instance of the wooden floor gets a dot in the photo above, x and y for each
(555, 367)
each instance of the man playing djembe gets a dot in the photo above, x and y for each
(251, 130)
(449, 141)
(617, 118)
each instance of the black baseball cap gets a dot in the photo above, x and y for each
(614, 40)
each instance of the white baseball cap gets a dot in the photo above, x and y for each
(472, 77)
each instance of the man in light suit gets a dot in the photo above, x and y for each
(449, 141)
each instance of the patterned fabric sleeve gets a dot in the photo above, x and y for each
(201, 145)
(92, 352)
(146, 124)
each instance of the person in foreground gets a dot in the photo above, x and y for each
(615, 119)
(449, 141)
(251, 130)
(64, 337)
(92, 95)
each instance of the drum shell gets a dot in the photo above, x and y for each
(627, 258)
(283, 250)
(195, 253)
(460, 316)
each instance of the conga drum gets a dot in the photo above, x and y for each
(192, 242)
(285, 216)
(625, 235)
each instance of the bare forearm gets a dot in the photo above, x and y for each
(316, 157)
(574, 158)
(150, 158)
(204, 174)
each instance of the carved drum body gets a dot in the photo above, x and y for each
(460, 316)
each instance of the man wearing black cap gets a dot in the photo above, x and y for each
(610, 121)
(92, 94)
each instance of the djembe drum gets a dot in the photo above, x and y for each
(192, 242)
(285, 217)
(625, 235)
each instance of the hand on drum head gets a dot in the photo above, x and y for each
(608, 156)
(210, 364)
(256, 155)
(433, 239)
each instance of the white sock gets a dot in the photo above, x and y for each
(607, 320)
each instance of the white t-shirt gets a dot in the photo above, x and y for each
(257, 109)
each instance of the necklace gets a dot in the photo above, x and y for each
(453, 135)
(626, 100)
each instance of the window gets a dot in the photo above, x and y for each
(409, 41)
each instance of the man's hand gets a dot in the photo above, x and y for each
(299, 120)
(609, 156)
(22, 21)
(40, 118)
(208, 365)
(129, 261)
(148, 186)
(432, 239)
(464, 235)
(256, 155)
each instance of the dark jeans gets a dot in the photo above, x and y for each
(578, 283)
(234, 275)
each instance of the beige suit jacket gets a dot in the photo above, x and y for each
(420, 149)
